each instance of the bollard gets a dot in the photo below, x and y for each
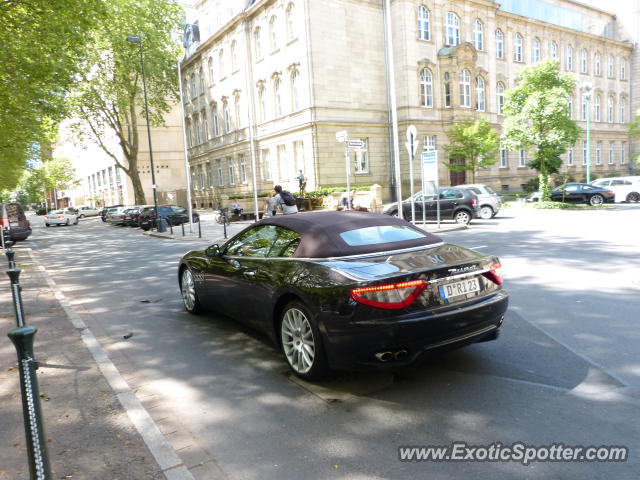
(10, 253)
(200, 230)
(182, 225)
(171, 227)
(14, 276)
(224, 223)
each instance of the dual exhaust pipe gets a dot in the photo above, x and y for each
(385, 357)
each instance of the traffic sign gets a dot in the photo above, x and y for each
(355, 144)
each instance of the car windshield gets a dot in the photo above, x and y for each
(475, 190)
(56, 212)
(379, 234)
(490, 190)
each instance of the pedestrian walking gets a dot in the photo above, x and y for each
(286, 200)
(270, 205)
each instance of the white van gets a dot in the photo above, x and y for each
(627, 189)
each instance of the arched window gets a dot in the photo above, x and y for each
(205, 126)
(570, 107)
(185, 91)
(517, 48)
(569, 58)
(295, 91)
(623, 69)
(553, 50)
(610, 66)
(262, 105)
(623, 110)
(277, 99)
(189, 136)
(500, 97)
(210, 68)
(214, 120)
(273, 33)
(447, 90)
(221, 63)
(499, 44)
(465, 88)
(597, 69)
(452, 29)
(597, 109)
(236, 111)
(201, 81)
(234, 57)
(426, 88)
(478, 35)
(583, 112)
(535, 50)
(194, 92)
(291, 32)
(226, 116)
(610, 109)
(256, 43)
(424, 31)
(584, 61)
(196, 129)
(480, 94)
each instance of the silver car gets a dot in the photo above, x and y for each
(489, 200)
(67, 216)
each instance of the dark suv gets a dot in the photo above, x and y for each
(457, 204)
(173, 214)
(13, 222)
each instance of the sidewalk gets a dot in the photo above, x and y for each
(89, 433)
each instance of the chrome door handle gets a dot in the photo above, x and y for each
(249, 273)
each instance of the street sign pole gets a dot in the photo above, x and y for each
(430, 173)
(348, 167)
(412, 147)
(424, 210)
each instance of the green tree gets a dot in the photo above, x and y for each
(109, 98)
(57, 173)
(537, 115)
(474, 142)
(42, 43)
(634, 131)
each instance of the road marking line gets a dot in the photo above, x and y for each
(168, 460)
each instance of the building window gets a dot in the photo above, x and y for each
(536, 51)
(610, 160)
(201, 81)
(256, 43)
(584, 61)
(267, 170)
(205, 126)
(569, 58)
(584, 152)
(465, 88)
(243, 169)
(499, 44)
(226, 116)
(480, 94)
(295, 91)
(234, 57)
(430, 142)
(236, 111)
(273, 33)
(553, 48)
(291, 32)
(277, 100)
(219, 173)
(570, 157)
(215, 121)
(500, 97)
(623, 69)
(426, 88)
(298, 156)
(610, 110)
(478, 35)
(221, 63)
(185, 91)
(504, 156)
(189, 138)
(583, 110)
(517, 48)
(522, 158)
(361, 160)
(194, 91)
(196, 129)
(424, 32)
(597, 65)
(598, 152)
(262, 105)
(623, 152)
(596, 109)
(210, 66)
(610, 72)
(452, 29)
(623, 110)
(231, 171)
(283, 163)
(447, 90)
(570, 107)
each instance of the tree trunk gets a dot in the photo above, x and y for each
(138, 191)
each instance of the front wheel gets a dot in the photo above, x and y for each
(68, 222)
(596, 200)
(188, 291)
(633, 197)
(486, 212)
(301, 342)
(77, 220)
(47, 224)
(462, 217)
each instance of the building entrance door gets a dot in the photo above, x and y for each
(457, 178)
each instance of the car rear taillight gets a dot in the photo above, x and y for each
(4, 222)
(473, 202)
(494, 274)
(46, 217)
(153, 215)
(60, 216)
(390, 296)
(122, 217)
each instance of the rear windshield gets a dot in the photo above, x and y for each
(475, 190)
(57, 212)
(379, 234)
(490, 190)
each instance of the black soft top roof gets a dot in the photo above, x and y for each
(320, 232)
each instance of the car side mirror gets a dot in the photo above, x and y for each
(213, 250)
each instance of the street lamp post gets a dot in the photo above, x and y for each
(587, 99)
(138, 40)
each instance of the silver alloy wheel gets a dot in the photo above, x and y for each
(486, 212)
(462, 217)
(596, 200)
(297, 340)
(188, 290)
(633, 197)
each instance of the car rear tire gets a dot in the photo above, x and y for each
(633, 197)
(145, 226)
(77, 221)
(301, 342)
(68, 223)
(462, 217)
(47, 224)
(596, 200)
(188, 290)
(486, 212)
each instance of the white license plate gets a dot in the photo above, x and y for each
(462, 287)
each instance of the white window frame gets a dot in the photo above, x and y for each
(295, 90)
(623, 110)
(226, 116)
(522, 158)
(500, 98)
(211, 72)
(481, 97)
(215, 120)
(570, 107)
(584, 61)
(478, 34)
(426, 88)
(219, 173)
(257, 43)
(584, 152)
(623, 153)
(611, 158)
(424, 25)
(452, 29)
(609, 109)
(504, 156)
(518, 43)
(267, 166)
(610, 69)
(231, 171)
(205, 125)
(599, 152)
(597, 64)
(262, 103)
(242, 162)
(499, 44)
(553, 49)
(623, 69)
(464, 84)
(536, 50)
(570, 156)
(291, 30)
(597, 109)
(430, 142)
(277, 97)
(221, 63)
(273, 33)
(234, 56)
(237, 111)
(361, 159)
(569, 58)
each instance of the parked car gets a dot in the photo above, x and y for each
(86, 211)
(488, 200)
(348, 290)
(456, 204)
(582, 193)
(173, 214)
(65, 216)
(117, 215)
(626, 189)
(133, 215)
(103, 212)
(13, 222)
(534, 197)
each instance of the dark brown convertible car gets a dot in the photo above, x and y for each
(348, 290)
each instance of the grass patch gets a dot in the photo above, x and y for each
(567, 206)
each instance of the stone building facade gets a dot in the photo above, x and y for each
(267, 85)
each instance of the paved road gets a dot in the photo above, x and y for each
(566, 369)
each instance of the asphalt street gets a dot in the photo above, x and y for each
(566, 368)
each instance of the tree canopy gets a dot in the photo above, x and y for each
(475, 142)
(537, 115)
